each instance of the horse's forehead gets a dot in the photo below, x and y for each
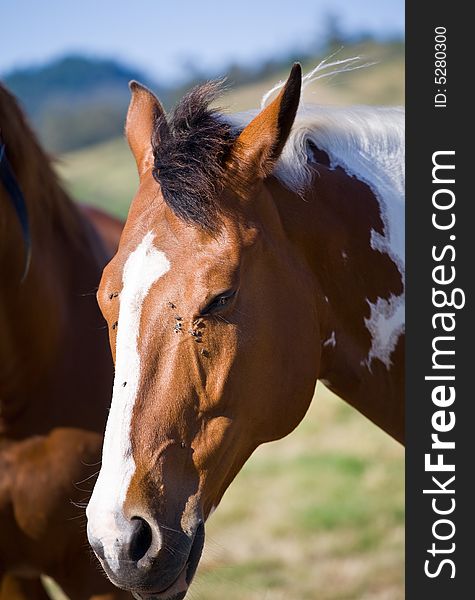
(207, 259)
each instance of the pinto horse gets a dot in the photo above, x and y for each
(262, 252)
(55, 370)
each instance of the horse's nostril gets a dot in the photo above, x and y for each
(141, 539)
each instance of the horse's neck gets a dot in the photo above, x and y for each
(333, 228)
(53, 345)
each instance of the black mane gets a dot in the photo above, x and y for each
(190, 148)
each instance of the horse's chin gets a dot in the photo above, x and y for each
(179, 588)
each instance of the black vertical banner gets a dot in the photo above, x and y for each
(440, 213)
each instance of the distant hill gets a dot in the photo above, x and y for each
(105, 175)
(79, 101)
(75, 101)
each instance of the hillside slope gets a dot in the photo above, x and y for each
(104, 175)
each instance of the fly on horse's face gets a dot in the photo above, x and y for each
(201, 319)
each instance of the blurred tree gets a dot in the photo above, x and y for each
(75, 100)
(334, 36)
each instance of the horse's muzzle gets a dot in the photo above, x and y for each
(151, 561)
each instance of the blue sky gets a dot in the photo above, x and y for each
(159, 37)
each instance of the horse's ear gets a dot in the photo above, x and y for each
(259, 145)
(144, 111)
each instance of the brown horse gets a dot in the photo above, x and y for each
(55, 370)
(258, 256)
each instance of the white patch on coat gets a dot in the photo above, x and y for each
(386, 323)
(368, 142)
(144, 266)
(331, 341)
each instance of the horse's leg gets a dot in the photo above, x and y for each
(102, 592)
(16, 588)
(87, 581)
(117, 595)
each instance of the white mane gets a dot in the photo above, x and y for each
(368, 143)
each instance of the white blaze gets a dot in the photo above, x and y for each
(144, 266)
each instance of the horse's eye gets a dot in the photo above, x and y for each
(218, 303)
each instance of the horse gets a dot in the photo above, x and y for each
(262, 251)
(55, 369)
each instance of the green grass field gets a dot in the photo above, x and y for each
(320, 514)
(316, 516)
